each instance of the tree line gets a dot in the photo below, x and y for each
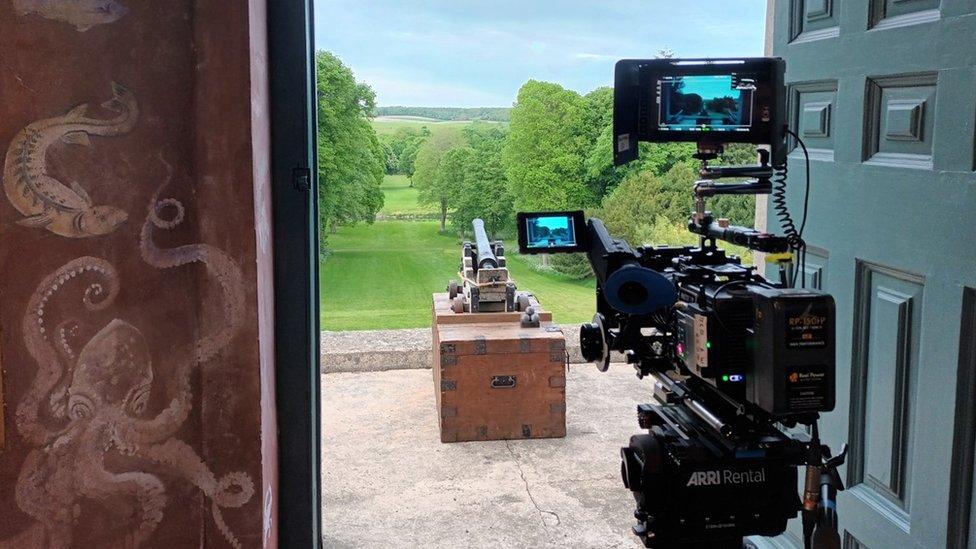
(556, 153)
(493, 114)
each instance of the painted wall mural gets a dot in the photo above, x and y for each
(47, 203)
(131, 332)
(86, 405)
(82, 14)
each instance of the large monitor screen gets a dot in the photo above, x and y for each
(720, 102)
(550, 232)
(713, 102)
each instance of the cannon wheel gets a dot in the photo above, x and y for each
(458, 304)
(452, 289)
(510, 297)
(523, 302)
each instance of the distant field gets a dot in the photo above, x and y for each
(386, 125)
(394, 118)
(381, 276)
(401, 199)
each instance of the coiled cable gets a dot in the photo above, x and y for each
(794, 236)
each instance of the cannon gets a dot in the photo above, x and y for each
(486, 252)
(485, 284)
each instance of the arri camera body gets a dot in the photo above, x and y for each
(739, 363)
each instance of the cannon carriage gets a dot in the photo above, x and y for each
(485, 284)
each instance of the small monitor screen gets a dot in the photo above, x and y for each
(705, 103)
(550, 231)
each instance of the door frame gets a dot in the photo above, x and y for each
(295, 240)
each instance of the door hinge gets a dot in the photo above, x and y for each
(302, 178)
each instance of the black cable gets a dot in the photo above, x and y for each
(806, 204)
(806, 192)
(783, 213)
(794, 236)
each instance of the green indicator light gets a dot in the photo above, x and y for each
(708, 344)
(725, 378)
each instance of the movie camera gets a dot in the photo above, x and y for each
(741, 365)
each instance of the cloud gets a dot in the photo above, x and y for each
(471, 52)
(596, 57)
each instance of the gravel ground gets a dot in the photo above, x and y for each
(390, 482)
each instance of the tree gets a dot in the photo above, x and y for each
(435, 185)
(400, 149)
(543, 155)
(351, 159)
(484, 190)
(633, 203)
(389, 153)
(412, 141)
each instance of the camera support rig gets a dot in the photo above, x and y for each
(686, 317)
(737, 361)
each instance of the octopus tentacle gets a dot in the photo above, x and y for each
(51, 509)
(232, 490)
(58, 398)
(37, 330)
(147, 490)
(221, 267)
(218, 263)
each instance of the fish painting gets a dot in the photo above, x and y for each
(82, 14)
(65, 210)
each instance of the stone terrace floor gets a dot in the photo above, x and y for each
(388, 481)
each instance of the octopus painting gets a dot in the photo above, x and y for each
(89, 404)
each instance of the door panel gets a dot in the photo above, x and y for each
(813, 19)
(883, 92)
(892, 13)
(813, 112)
(884, 382)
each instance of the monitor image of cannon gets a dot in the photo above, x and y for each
(555, 231)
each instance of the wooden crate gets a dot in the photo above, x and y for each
(495, 380)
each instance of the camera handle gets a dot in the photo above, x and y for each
(820, 528)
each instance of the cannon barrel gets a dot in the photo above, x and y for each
(486, 257)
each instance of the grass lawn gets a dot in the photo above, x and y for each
(401, 199)
(382, 276)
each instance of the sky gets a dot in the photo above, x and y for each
(709, 87)
(477, 53)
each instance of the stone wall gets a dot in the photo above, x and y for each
(135, 275)
(380, 350)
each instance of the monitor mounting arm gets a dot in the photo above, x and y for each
(760, 182)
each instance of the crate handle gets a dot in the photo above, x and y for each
(502, 382)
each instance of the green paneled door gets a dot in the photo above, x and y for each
(883, 92)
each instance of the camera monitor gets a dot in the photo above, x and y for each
(707, 101)
(551, 232)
